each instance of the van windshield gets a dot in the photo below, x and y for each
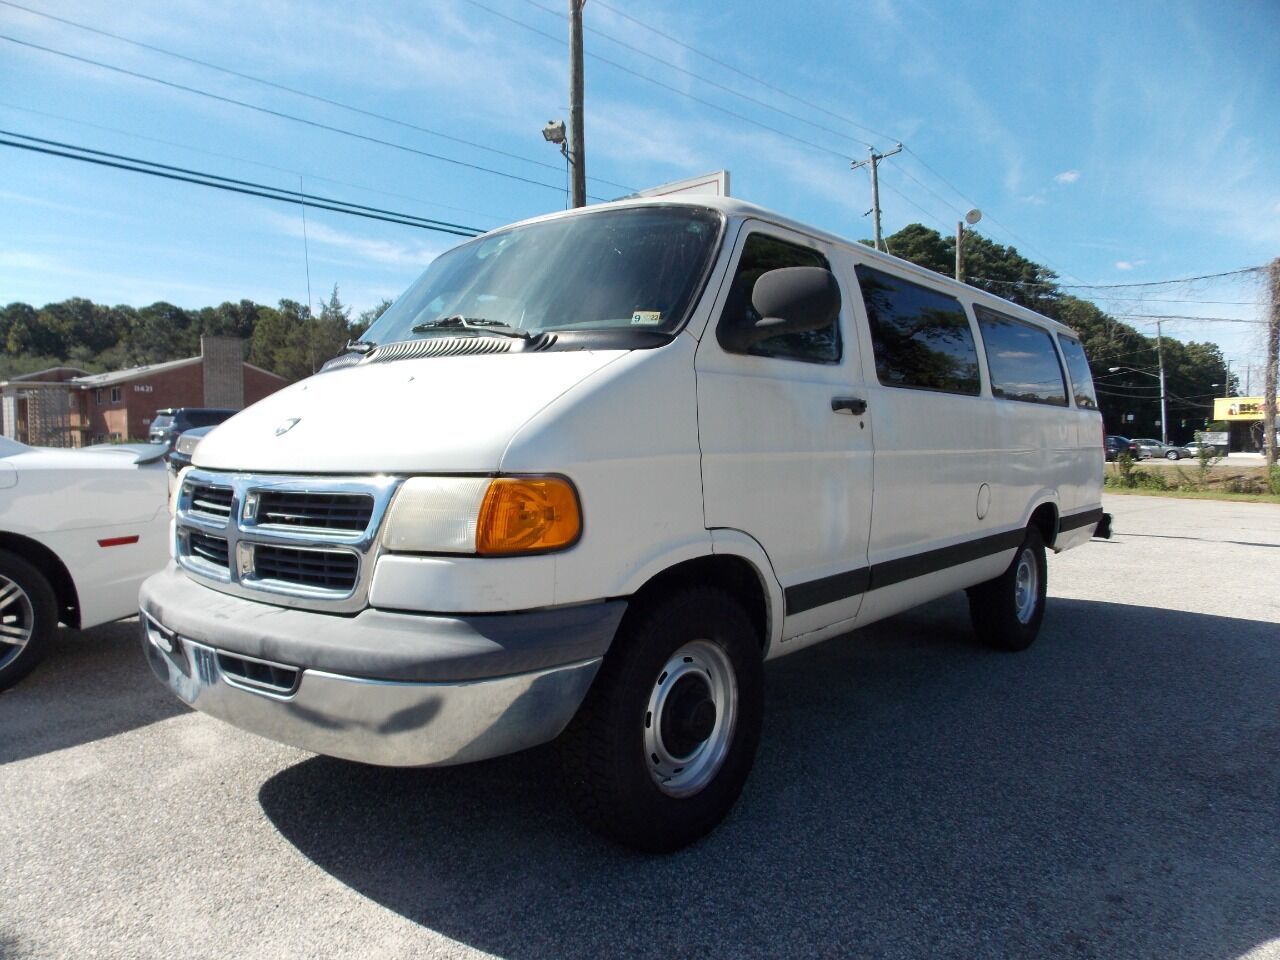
(629, 269)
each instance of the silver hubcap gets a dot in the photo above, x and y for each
(1026, 588)
(690, 717)
(16, 621)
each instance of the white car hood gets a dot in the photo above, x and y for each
(448, 414)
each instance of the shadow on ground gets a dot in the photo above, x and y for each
(93, 684)
(1111, 792)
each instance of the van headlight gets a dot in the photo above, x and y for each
(489, 516)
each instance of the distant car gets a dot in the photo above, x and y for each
(1193, 449)
(79, 532)
(1116, 445)
(1148, 448)
(185, 446)
(172, 422)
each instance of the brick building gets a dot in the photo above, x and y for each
(67, 407)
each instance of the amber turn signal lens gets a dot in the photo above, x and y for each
(527, 515)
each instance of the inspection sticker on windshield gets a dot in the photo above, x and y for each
(646, 318)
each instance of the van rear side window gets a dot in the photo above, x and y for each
(1081, 378)
(921, 337)
(1021, 359)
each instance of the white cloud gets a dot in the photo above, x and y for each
(1035, 199)
(1129, 264)
(1068, 176)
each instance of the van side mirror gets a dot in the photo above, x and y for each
(788, 300)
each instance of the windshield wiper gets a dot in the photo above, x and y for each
(472, 323)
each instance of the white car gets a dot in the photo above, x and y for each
(79, 531)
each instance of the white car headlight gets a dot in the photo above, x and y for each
(435, 515)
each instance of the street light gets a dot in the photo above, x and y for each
(1164, 411)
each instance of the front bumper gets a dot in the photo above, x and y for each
(430, 690)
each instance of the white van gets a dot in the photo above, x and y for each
(591, 471)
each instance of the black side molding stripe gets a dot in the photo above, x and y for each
(907, 568)
(1077, 520)
(816, 593)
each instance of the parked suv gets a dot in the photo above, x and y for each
(170, 422)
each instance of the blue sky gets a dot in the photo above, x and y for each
(1119, 143)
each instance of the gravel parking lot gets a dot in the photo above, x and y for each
(1113, 792)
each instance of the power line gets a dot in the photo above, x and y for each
(1119, 286)
(256, 163)
(295, 91)
(665, 86)
(696, 76)
(248, 187)
(282, 115)
(1160, 317)
(742, 73)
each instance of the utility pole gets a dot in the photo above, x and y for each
(1164, 409)
(972, 217)
(1273, 361)
(577, 138)
(872, 161)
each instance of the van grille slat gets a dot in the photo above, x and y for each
(315, 511)
(210, 499)
(325, 569)
(209, 549)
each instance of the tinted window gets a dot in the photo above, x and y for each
(760, 254)
(1078, 367)
(921, 337)
(1021, 360)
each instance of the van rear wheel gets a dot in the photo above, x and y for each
(1007, 611)
(663, 744)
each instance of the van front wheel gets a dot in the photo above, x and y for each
(663, 744)
(1006, 612)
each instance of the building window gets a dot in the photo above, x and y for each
(921, 337)
(115, 394)
(97, 397)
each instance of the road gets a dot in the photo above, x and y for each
(1112, 792)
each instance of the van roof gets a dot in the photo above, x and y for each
(742, 209)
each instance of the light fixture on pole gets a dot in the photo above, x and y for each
(553, 131)
(971, 218)
(1164, 415)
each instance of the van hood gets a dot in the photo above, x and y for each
(447, 414)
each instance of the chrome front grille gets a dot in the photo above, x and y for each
(296, 541)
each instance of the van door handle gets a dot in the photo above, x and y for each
(854, 405)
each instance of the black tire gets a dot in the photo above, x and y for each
(611, 780)
(32, 607)
(1172, 455)
(999, 620)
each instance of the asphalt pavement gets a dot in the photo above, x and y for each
(1112, 792)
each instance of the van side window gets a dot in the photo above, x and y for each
(1021, 359)
(1081, 378)
(921, 337)
(760, 254)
